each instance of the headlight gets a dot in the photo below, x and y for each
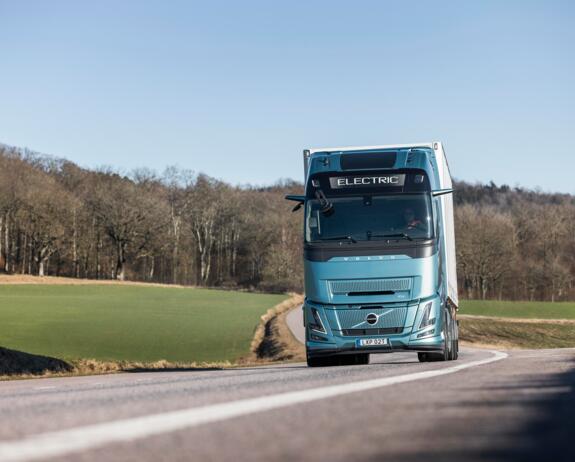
(427, 320)
(316, 325)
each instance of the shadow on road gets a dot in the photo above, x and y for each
(550, 434)
(544, 412)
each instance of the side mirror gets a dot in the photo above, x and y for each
(441, 192)
(299, 199)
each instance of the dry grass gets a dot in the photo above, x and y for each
(484, 332)
(56, 280)
(273, 340)
(518, 320)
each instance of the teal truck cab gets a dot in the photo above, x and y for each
(379, 253)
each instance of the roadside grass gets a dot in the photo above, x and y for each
(130, 323)
(515, 334)
(518, 309)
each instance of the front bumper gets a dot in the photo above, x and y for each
(410, 337)
(325, 349)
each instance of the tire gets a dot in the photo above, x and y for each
(422, 357)
(320, 361)
(361, 359)
(446, 354)
(452, 353)
(345, 360)
(456, 325)
(352, 360)
(454, 341)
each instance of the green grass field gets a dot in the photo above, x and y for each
(540, 310)
(129, 322)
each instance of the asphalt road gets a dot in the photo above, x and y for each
(294, 321)
(487, 406)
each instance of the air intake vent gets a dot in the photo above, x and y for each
(384, 331)
(371, 160)
(346, 287)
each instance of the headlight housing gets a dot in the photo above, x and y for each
(426, 319)
(317, 324)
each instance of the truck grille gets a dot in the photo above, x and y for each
(356, 319)
(344, 287)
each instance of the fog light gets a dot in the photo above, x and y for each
(317, 338)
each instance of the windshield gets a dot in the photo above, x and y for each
(374, 217)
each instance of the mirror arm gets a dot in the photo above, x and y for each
(299, 199)
(295, 198)
(441, 192)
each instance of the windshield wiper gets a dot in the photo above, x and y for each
(402, 235)
(339, 238)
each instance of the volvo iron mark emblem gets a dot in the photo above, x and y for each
(371, 318)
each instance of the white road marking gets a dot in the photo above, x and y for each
(45, 388)
(63, 442)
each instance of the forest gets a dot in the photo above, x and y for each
(183, 227)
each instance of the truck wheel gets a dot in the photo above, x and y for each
(353, 360)
(444, 355)
(453, 353)
(451, 342)
(456, 337)
(322, 361)
(361, 359)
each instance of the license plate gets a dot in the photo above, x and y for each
(363, 342)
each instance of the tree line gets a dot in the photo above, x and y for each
(180, 227)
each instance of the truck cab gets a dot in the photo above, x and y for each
(379, 253)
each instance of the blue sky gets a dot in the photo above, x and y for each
(238, 89)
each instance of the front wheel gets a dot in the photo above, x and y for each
(454, 353)
(354, 360)
(345, 360)
(422, 357)
(321, 361)
(447, 352)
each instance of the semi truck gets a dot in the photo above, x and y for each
(379, 253)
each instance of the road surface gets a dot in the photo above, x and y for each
(488, 406)
(294, 321)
